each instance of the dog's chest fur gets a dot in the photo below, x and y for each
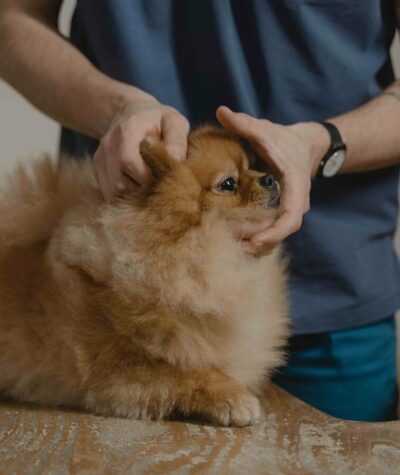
(198, 302)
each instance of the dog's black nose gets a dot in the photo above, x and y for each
(268, 182)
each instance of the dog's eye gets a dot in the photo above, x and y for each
(228, 185)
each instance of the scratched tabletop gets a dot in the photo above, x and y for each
(292, 438)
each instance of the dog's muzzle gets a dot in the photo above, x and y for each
(270, 183)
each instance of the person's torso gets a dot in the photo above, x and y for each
(288, 61)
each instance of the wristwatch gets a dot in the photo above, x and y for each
(334, 158)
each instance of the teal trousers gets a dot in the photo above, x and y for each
(349, 374)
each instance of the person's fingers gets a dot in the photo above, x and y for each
(120, 167)
(307, 204)
(120, 183)
(288, 223)
(247, 230)
(101, 176)
(132, 163)
(294, 203)
(293, 200)
(240, 123)
(175, 129)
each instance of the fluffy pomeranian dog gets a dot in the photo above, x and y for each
(147, 308)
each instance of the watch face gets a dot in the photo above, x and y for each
(333, 163)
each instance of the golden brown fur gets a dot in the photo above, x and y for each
(145, 308)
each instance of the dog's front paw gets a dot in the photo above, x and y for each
(236, 407)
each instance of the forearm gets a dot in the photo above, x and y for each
(371, 133)
(55, 77)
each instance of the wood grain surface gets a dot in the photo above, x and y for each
(293, 438)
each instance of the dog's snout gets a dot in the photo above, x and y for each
(268, 182)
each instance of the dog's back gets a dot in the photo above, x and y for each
(34, 198)
(32, 202)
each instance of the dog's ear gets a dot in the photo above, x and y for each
(156, 156)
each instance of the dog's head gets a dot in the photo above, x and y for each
(215, 176)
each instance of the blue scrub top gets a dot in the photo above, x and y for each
(288, 61)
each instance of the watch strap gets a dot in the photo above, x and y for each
(336, 144)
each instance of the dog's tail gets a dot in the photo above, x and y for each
(34, 199)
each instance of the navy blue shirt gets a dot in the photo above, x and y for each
(288, 61)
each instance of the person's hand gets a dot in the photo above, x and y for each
(293, 153)
(120, 169)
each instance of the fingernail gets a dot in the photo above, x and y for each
(176, 158)
(174, 154)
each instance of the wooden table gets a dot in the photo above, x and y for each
(293, 438)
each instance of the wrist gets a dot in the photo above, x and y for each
(127, 97)
(318, 140)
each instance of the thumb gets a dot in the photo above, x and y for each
(237, 122)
